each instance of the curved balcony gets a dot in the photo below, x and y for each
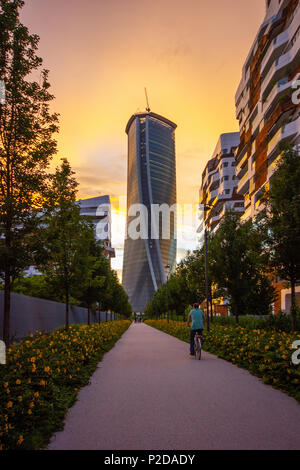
(287, 131)
(279, 67)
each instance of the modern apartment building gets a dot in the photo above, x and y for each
(267, 114)
(268, 110)
(98, 210)
(219, 185)
(151, 181)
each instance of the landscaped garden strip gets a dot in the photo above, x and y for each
(266, 354)
(41, 379)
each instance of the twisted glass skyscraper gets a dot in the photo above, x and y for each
(151, 181)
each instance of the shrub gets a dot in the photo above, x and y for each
(281, 322)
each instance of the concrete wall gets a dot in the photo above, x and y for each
(30, 314)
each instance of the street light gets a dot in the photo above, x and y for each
(168, 267)
(206, 208)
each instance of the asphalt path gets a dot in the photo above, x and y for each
(148, 394)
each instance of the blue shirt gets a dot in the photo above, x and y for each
(197, 319)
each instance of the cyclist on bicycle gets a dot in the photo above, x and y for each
(197, 317)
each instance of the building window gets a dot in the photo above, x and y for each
(225, 164)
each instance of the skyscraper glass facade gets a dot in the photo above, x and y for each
(151, 181)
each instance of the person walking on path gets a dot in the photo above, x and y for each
(197, 317)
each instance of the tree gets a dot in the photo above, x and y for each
(26, 147)
(282, 220)
(94, 280)
(66, 237)
(239, 265)
(35, 286)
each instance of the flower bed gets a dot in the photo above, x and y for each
(266, 354)
(42, 377)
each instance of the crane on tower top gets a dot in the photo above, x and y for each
(148, 107)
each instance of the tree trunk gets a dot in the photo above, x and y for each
(7, 296)
(236, 314)
(89, 315)
(294, 306)
(211, 303)
(211, 310)
(67, 308)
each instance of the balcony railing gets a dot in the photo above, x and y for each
(279, 64)
(285, 132)
(242, 183)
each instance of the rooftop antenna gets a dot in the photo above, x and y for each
(148, 107)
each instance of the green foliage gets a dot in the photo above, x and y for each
(71, 260)
(66, 238)
(34, 286)
(237, 270)
(280, 322)
(185, 286)
(266, 354)
(42, 377)
(281, 220)
(26, 146)
(239, 264)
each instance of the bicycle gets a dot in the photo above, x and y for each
(198, 341)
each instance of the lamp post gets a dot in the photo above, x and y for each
(168, 267)
(207, 207)
(206, 280)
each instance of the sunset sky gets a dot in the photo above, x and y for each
(102, 53)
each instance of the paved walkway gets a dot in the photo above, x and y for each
(149, 394)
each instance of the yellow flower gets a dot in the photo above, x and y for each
(20, 440)
(31, 405)
(20, 398)
(29, 412)
(47, 369)
(36, 394)
(5, 385)
(9, 404)
(18, 382)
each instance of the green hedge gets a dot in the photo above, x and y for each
(280, 322)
